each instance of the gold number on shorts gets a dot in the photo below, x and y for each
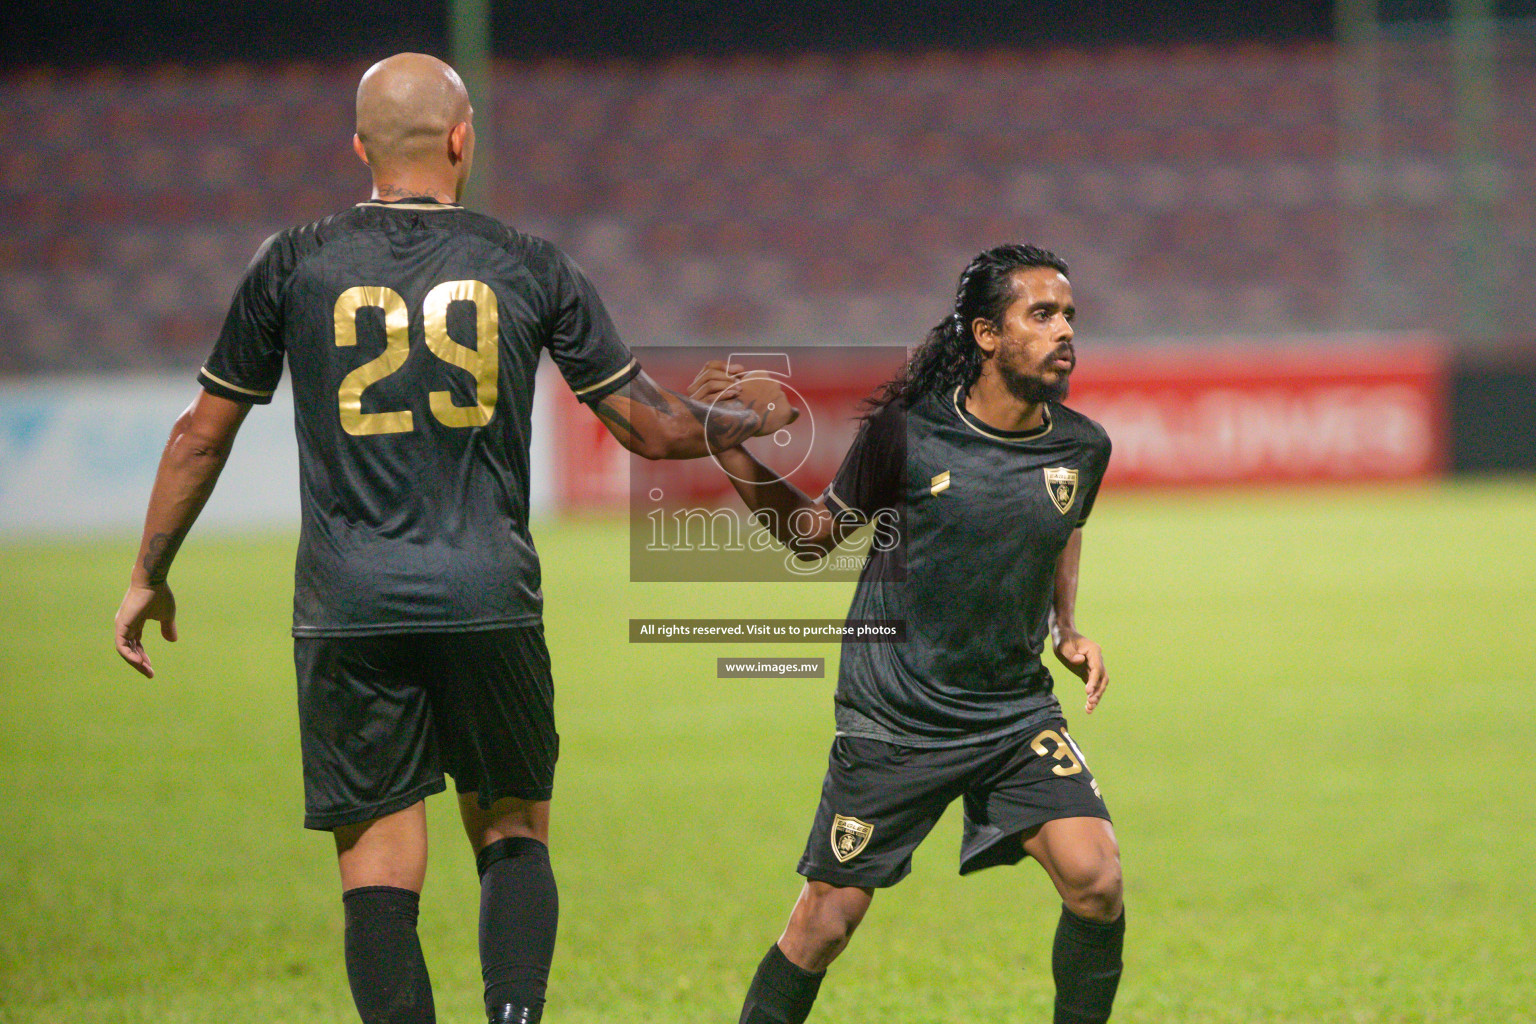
(1065, 752)
(482, 362)
(397, 346)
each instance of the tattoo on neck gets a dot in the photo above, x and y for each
(159, 553)
(387, 191)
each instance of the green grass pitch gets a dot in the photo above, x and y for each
(1317, 743)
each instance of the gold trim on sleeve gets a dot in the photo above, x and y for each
(606, 380)
(235, 387)
(830, 493)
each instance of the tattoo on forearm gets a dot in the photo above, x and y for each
(159, 553)
(725, 426)
(605, 410)
(647, 394)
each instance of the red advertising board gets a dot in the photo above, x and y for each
(1308, 414)
(1359, 410)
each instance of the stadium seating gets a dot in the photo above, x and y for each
(1198, 191)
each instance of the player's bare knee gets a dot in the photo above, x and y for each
(1096, 893)
(825, 918)
(507, 818)
(830, 931)
(813, 943)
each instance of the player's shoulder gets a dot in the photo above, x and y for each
(291, 246)
(327, 229)
(542, 258)
(362, 218)
(886, 420)
(497, 232)
(1074, 424)
(926, 409)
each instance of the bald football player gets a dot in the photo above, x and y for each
(412, 329)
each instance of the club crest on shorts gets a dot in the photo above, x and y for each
(1062, 485)
(849, 836)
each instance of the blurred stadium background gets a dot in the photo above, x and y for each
(1299, 234)
(1331, 178)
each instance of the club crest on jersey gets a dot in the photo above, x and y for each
(1062, 485)
(849, 836)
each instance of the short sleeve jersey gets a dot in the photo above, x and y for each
(982, 515)
(412, 332)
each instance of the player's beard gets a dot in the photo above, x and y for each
(1033, 387)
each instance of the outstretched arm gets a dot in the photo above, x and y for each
(1077, 652)
(189, 467)
(801, 523)
(656, 423)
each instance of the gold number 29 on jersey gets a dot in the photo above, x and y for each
(480, 362)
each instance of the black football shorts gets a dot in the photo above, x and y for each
(381, 718)
(879, 801)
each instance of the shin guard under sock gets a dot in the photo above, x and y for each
(781, 991)
(385, 967)
(1085, 960)
(519, 910)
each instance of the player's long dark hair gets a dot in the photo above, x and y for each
(949, 355)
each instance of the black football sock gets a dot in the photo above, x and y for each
(519, 908)
(781, 992)
(1085, 960)
(385, 967)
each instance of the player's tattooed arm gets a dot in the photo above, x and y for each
(189, 467)
(1084, 657)
(805, 525)
(159, 551)
(194, 456)
(658, 423)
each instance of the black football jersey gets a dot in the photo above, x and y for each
(982, 515)
(412, 332)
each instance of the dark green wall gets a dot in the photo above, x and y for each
(1493, 413)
